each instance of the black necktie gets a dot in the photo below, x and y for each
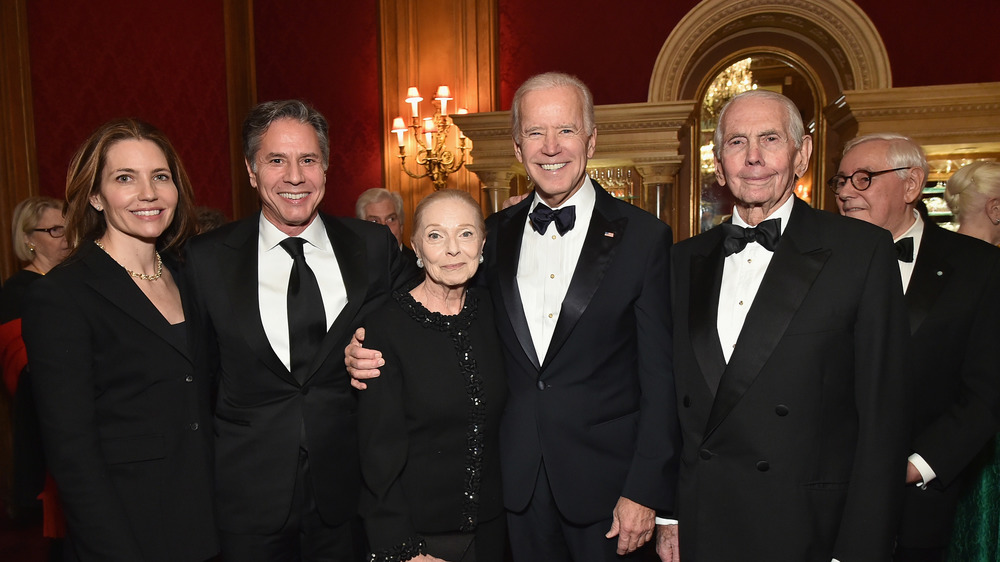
(564, 218)
(904, 249)
(306, 317)
(736, 238)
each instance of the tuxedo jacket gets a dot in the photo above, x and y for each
(124, 415)
(800, 453)
(954, 305)
(599, 407)
(261, 412)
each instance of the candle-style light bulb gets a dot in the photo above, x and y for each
(399, 128)
(443, 95)
(413, 98)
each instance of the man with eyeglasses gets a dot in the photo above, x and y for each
(952, 287)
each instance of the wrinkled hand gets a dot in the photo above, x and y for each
(361, 363)
(514, 200)
(667, 546)
(633, 524)
(912, 474)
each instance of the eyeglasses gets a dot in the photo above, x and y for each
(55, 231)
(861, 180)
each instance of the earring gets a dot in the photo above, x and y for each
(31, 248)
(481, 258)
(996, 221)
(99, 208)
(420, 263)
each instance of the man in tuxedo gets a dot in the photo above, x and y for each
(579, 281)
(789, 344)
(952, 286)
(276, 298)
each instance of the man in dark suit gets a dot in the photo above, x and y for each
(789, 341)
(589, 437)
(952, 286)
(381, 206)
(277, 296)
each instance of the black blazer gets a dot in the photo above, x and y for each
(600, 407)
(124, 416)
(800, 454)
(954, 306)
(261, 410)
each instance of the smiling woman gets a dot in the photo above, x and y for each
(118, 397)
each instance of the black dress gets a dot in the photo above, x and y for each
(429, 432)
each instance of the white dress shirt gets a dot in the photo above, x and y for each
(546, 265)
(742, 274)
(274, 266)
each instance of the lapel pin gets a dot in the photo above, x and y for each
(609, 234)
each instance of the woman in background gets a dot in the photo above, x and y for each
(429, 425)
(124, 417)
(973, 194)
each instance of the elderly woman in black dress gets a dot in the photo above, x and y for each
(429, 423)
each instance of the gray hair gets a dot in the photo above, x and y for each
(544, 82)
(973, 184)
(376, 194)
(263, 115)
(453, 195)
(903, 152)
(795, 127)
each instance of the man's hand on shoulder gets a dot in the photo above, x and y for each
(361, 363)
(633, 523)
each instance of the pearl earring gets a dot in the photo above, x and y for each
(420, 263)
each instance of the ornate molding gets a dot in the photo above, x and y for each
(839, 29)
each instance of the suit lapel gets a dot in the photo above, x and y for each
(509, 233)
(238, 263)
(797, 261)
(111, 281)
(604, 233)
(351, 252)
(703, 310)
(930, 274)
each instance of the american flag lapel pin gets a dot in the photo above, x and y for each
(609, 234)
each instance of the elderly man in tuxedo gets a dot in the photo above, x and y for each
(789, 345)
(579, 280)
(952, 286)
(277, 297)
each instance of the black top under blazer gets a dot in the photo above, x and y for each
(125, 419)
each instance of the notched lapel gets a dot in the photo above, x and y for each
(238, 265)
(508, 250)
(603, 237)
(796, 263)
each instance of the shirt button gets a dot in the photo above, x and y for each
(763, 466)
(741, 303)
(550, 315)
(749, 260)
(553, 236)
(552, 276)
(188, 378)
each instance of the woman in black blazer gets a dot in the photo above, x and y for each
(123, 418)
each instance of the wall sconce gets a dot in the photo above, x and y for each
(431, 135)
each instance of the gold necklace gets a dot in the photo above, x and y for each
(143, 276)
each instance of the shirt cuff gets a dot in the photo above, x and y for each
(926, 472)
(665, 521)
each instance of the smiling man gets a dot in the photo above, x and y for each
(951, 283)
(789, 339)
(276, 297)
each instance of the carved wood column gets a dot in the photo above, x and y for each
(18, 162)
(429, 43)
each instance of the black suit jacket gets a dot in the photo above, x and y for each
(599, 408)
(954, 305)
(799, 455)
(124, 416)
(261, 410)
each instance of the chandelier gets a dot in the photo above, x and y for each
(431, 136)
(735, 79)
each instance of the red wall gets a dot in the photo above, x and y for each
(612, 46)
(163, 62)
(327, 54)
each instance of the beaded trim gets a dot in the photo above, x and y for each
(410, 548)
(458, 328)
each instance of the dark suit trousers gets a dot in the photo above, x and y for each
(304, 537)
(540, 532)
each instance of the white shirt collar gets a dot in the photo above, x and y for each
(315, 234)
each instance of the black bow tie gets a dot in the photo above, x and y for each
(736, 238)
(564, 218)
(904, 249)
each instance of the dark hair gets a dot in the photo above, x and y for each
(84, 223)
(262, 116)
